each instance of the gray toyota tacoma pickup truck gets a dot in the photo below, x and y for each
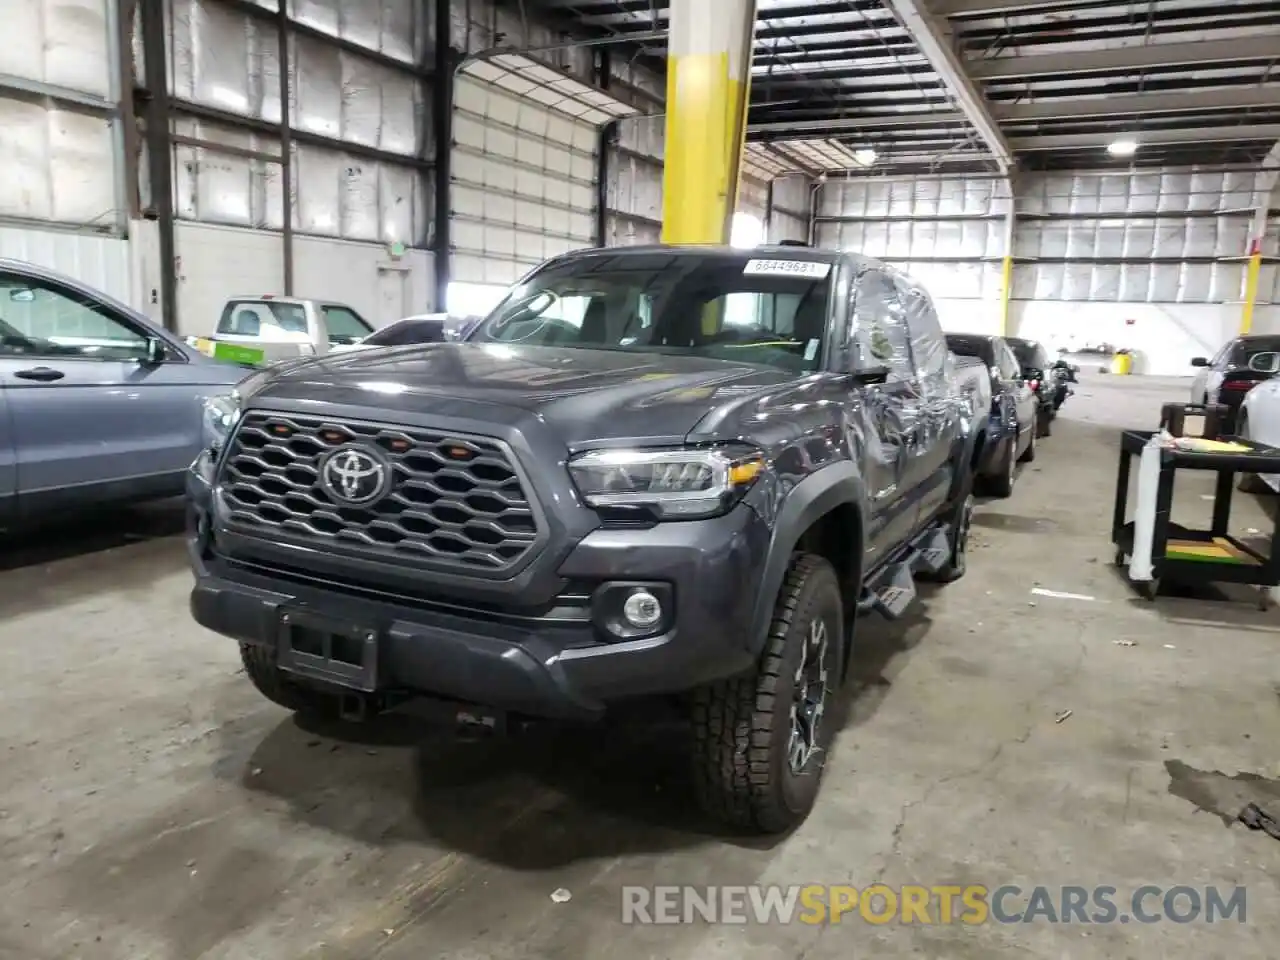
(650, 471)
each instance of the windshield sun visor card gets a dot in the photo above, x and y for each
(804, 269)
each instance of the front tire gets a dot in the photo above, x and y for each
(274, 684)
(760, 741)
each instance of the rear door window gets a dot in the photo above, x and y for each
(263, 320)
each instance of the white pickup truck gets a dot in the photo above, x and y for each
(267, 329)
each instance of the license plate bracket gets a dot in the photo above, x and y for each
(328, 649)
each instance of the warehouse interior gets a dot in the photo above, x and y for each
(1149, 251)
(1099, 176)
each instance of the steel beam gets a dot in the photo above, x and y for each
(708, 89)
(604, 148)
(446, 59)
(1070, 108)
(60, 96)
(933, 37)
(1058, 108)
(1074, 141)
(848, 126)
(1129, 59)
(1007, 8)
(286, 148)
(160, 152)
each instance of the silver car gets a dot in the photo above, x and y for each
(97, 403)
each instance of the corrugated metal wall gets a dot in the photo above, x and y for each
(633, 179)
(62, 190)
(62, 162)
(1153, 260)
(224, 59)
(949, 234)
(1160, 237)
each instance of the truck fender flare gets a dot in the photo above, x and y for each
(815, 495)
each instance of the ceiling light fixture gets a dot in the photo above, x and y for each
(864, 158)
(1122, 148)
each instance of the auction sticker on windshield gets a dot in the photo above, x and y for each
(811, 269)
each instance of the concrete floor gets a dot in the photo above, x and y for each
(153, 806)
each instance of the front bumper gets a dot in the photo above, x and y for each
(555, 658)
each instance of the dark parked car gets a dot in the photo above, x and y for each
(425, 328)
(650, 471)
(1037, 371)
(97, 404)
(1230, 374)
(1011, 430)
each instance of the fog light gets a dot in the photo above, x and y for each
(642, 610)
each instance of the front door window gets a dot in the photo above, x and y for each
(41, 320)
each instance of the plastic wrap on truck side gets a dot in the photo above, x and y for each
(974, 380)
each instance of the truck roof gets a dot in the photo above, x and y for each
(778, 251)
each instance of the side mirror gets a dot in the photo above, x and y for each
(157, 352)
(1199, 361)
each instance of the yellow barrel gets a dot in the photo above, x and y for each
(1122, 364)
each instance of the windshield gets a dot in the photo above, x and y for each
(264, 320)
(770, 311)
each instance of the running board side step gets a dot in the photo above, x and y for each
(891, 589)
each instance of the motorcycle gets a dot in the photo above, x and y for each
(1064, 374)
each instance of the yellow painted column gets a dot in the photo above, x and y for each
(708, 85)
(1006, 294)
(1252, 273)
(1006, 267)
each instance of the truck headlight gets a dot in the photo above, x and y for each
(680, 484)
(218, 419)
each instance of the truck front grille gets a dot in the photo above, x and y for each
(452, 500)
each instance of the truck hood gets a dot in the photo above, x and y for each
(585, 396)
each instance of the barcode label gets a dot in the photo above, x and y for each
(810, 269)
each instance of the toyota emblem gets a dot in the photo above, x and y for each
(354, 476)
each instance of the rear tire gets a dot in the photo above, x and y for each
(759, 741)
(1002, 484)
(274, 684)
(1044, 421)
(1029, 454)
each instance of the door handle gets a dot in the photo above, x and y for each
(42, 374)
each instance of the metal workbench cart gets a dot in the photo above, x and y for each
(1187, 556)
